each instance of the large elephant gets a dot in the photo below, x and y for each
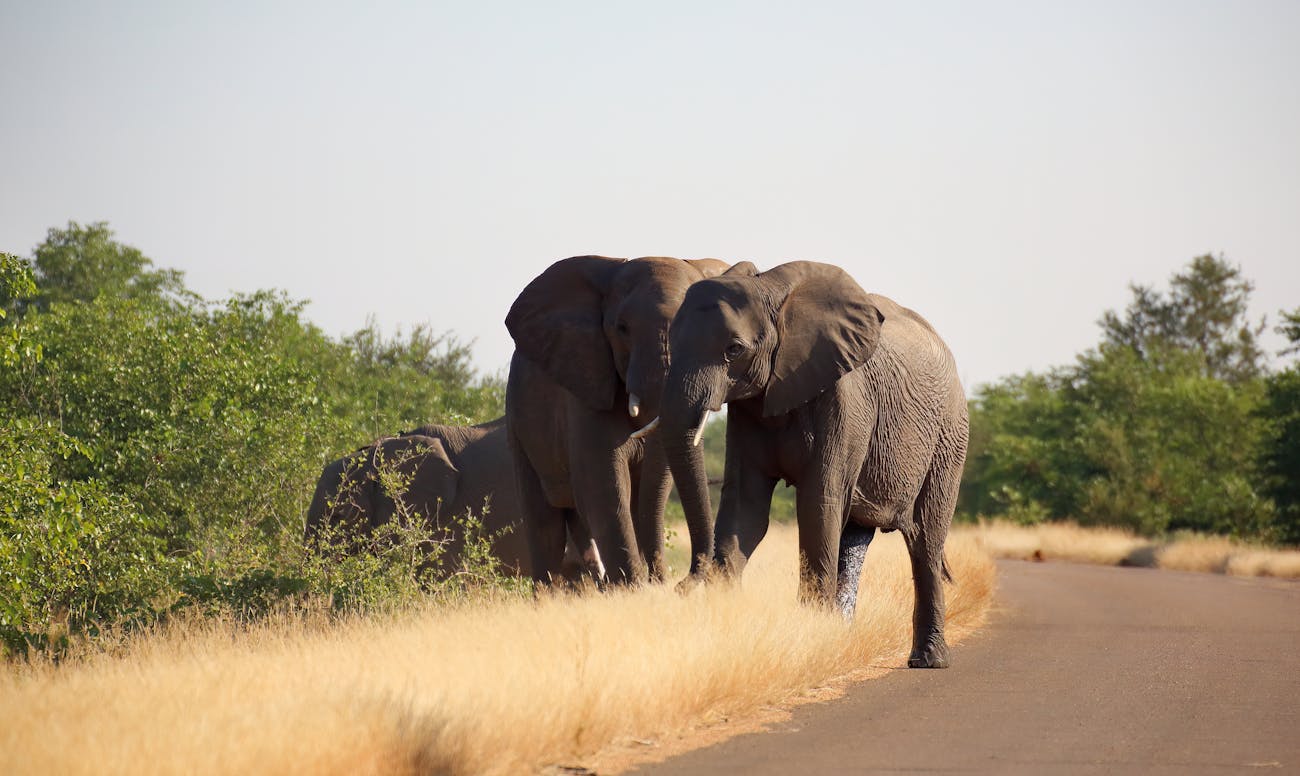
(446, 472)
(848, 396)
(591, 354)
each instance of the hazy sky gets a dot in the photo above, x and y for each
(1004, 168)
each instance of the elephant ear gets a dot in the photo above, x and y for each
(826, 327)
(709, 268)
(558, 323)
(422, 462)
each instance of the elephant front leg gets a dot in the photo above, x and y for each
(821, 517)
(746, 506)
(743, 518)
(854, 540)
(822, 506)
(603, 494)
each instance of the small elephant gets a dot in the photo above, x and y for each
(591, 353)
(848, 396)
(447, 471)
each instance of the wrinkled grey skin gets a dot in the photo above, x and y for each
(848, 396)
(452, 470)
(591, 333)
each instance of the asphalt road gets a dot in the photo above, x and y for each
(1082, 669)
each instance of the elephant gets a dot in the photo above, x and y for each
(850, 397)
(591, 354)
(451, 470)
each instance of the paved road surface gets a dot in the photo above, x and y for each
(1083, 669)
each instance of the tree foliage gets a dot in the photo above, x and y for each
(1206, 310)
(1159, 428)
(159, 449)
(1280, 457)
(1290, 328)
(81, 263)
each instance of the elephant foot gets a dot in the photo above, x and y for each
(934, 655)
(691, 581)
(702, 572)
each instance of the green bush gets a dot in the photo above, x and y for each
(73, 554)
(160, 450)
(1160, 428)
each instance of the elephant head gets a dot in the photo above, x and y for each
(782, 336)
(595, 324)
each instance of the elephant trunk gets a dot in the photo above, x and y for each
(686, 461)
(681, 423)
(652, 497)
(647, 367)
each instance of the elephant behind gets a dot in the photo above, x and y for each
(448, 471)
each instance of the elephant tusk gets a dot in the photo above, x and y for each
(633, 405)
(641, 433)
(593, 558)
(699, 432)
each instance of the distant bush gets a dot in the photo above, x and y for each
(1159, 428)
(1280, 456)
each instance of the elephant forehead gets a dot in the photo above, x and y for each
(709, 323)
(650, 310)
(655, 273)
(723, 299)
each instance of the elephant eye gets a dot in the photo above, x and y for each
(621, 328)
(734, 350)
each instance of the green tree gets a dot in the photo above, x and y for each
(395, 383)
(17, 282)
(1022, 462)
(196, 414)
(72, 553)
(1157, 428)
(80, 263)
(17, 285)
(1164, 446)
(1290, 328)
(157, 448)
(1280, 458)
(1206, 310)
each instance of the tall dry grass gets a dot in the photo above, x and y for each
(1117, 547)
(504, 686)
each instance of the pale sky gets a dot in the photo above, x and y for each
(1006, 169)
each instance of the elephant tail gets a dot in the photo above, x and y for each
(947, 574)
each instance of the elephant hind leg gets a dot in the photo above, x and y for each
(932, 516)
(854, 540)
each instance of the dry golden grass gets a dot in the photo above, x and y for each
(506, 686)
(1053, 541)
(1114, 546)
